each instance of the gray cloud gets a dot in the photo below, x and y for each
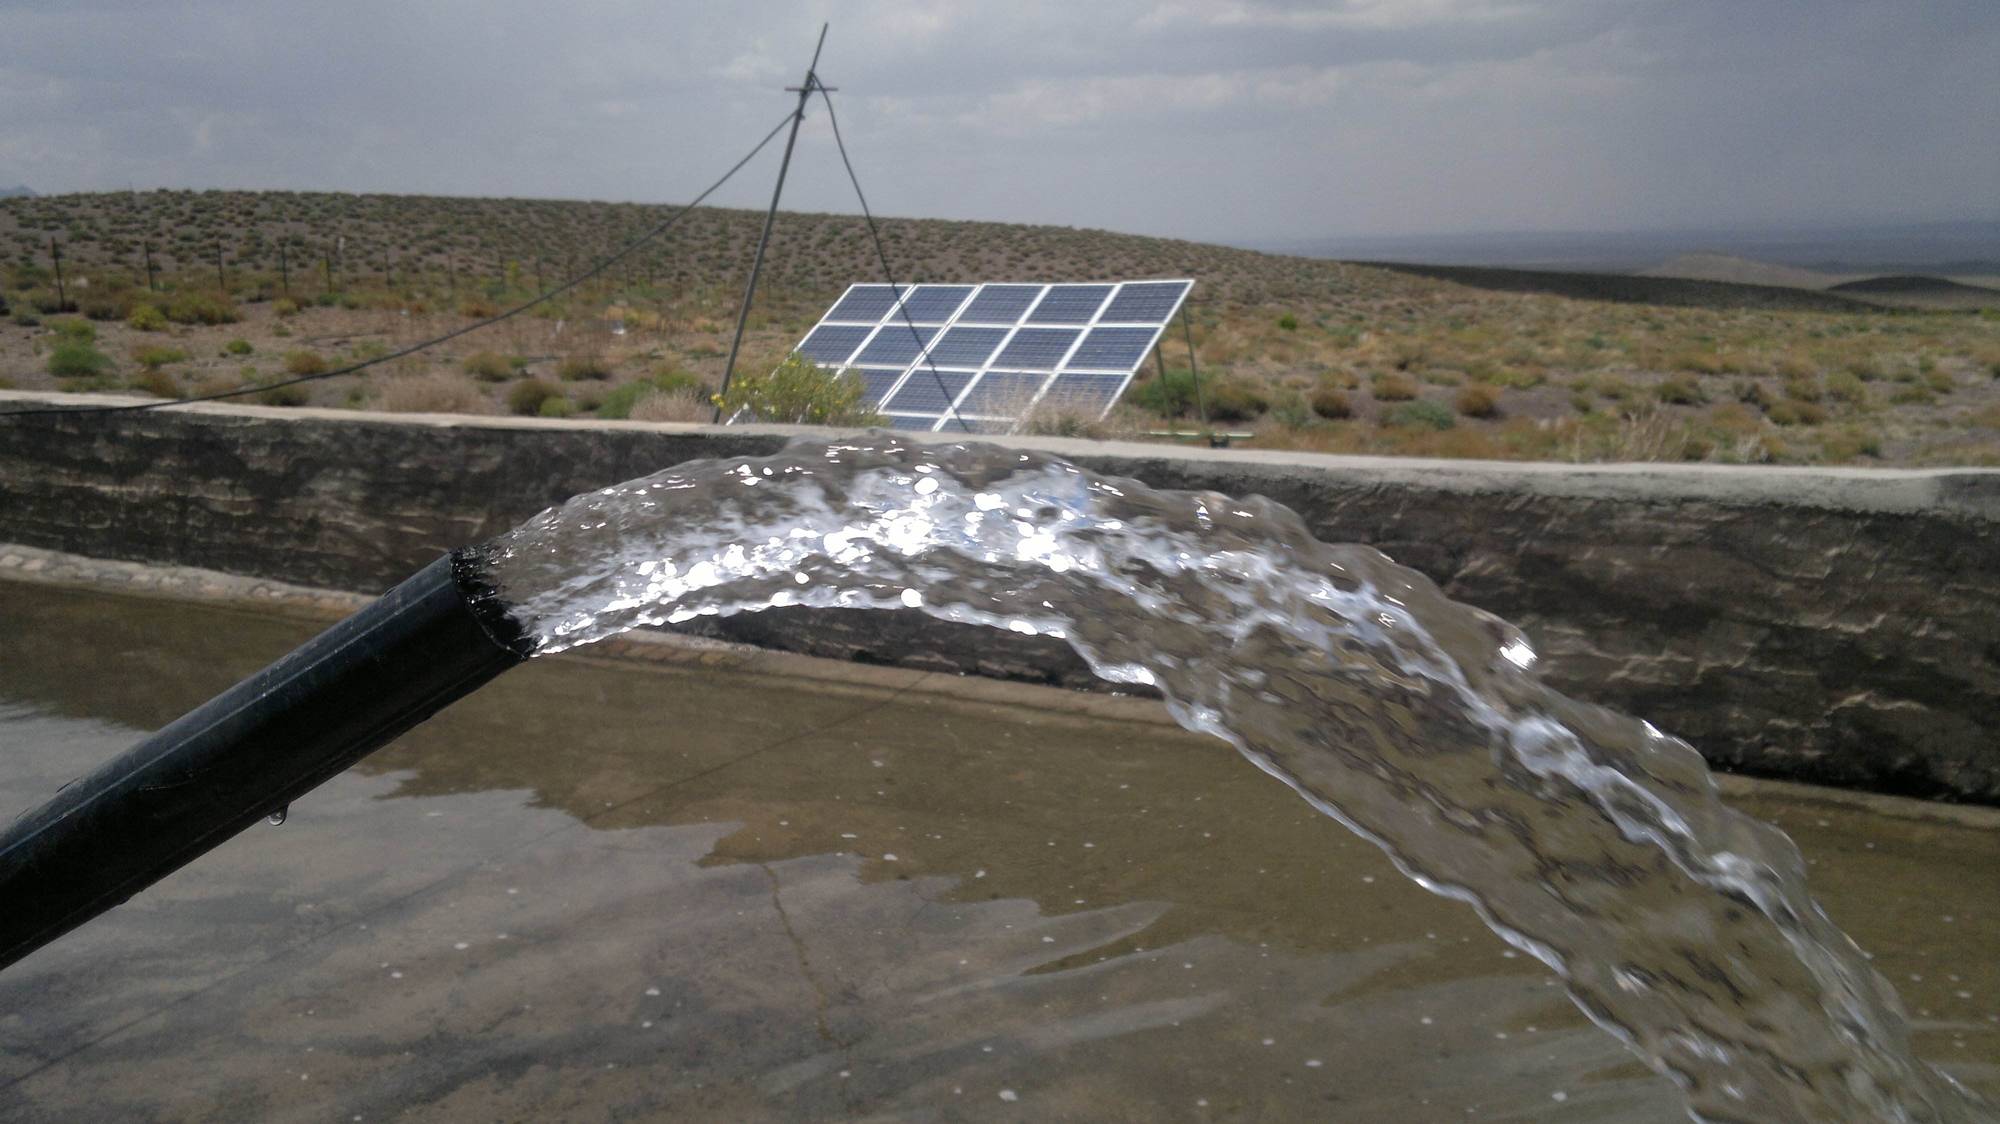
(1199, 118)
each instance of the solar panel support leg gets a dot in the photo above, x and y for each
(805, 91)
(1194, 368)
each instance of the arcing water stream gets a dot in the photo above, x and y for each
(1591, 840)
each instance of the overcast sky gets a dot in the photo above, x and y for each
(1213, 120)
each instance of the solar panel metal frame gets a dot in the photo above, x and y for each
(921, 367)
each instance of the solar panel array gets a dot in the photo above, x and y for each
(990, 354)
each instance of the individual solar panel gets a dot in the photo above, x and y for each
(1145, 302)
(967, 347)
(1085, 394)
(895, 345)
(932, 304)
(1037, 348)
(1069, 304)
(1007, 393)
(1114, 348)
(1000, 304)
(1003, 348)
(876, 381)
(831, 344)
(864, 304)
(928, 390)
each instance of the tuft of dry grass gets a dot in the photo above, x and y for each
(1395, 388)
(441, 392)
(684, 405)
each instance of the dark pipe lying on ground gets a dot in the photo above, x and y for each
(251, 750)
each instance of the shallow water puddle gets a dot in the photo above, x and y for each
(754, 898)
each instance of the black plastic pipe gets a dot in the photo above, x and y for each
(252, 750)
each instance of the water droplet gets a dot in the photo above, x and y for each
(277, 818)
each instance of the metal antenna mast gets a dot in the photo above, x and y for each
(805, 92)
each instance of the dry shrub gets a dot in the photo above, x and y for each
(303, 362)
(157, 383)
(1791, 411)
(526, 397)
(684, 405)
(1655, 437)
(1332, 402)
(1395, 388)
(438, 392)
(488, 366)
(1806, 390)
(1479, 401)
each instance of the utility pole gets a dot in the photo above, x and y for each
(151, 287)
(55, 255)
(284, 270)
(805, 91)
(221, 279)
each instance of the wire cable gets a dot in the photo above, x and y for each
(874, 235)
(603, 264)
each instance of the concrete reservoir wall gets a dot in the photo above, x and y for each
(1840, 626)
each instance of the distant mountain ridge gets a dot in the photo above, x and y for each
(1961, 248)
(19, 190)
(1742, 271)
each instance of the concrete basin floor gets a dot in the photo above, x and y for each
(603, 890)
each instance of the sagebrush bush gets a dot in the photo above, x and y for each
(1394, 388)
(526, 397)
(437, 392)
(1420, 414)
(683, 405)
(77, 359)
(237, 347)
(1843, 386)
(71, 329)
(1331, 402)
(1677, 390)
(194, 307)
(620, 402)
(488, 366)
(157, 383)
(1235, 400)
(1792, 411)
(1478, 401)
(154, 357)
(799, 392)
(290, 394)
(146, 318)
(1171, 395)
(304, 362)
(580, 367)
(100, 304)
(1804, 390)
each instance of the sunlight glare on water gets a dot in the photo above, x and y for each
(1585, 838)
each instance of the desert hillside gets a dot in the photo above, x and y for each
(1292, 352)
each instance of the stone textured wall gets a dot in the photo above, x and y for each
(1835, 626)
